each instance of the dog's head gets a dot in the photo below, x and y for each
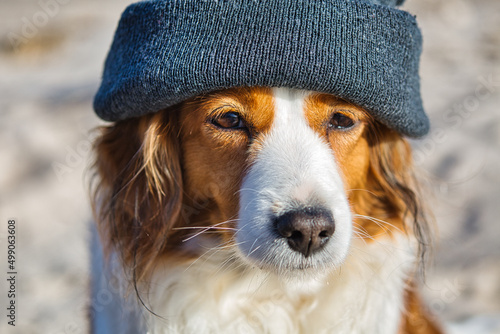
(282, 179)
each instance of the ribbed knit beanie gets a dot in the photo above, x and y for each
(167, 51)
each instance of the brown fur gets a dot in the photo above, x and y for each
(417, 319)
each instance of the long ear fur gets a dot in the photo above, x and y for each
(139, 193)
(394, 191)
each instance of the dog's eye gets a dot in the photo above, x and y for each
(340, 121)
(229, 120)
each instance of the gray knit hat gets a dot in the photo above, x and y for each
(166, 51)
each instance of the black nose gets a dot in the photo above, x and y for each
(306, 230)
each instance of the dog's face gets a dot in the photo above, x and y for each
(277, 164)
(283, 179)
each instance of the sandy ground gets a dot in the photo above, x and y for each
(50, 63)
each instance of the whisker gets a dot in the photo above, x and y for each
(361, 231)
(250, 250)
(211, 251)
(206, 228)
(379, 222)
(256, 248)
(363, 234)
(226, 263)
(203, 227)
(227, 245)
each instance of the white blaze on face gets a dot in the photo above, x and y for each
(294, 168)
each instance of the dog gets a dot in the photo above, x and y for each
(258, 210)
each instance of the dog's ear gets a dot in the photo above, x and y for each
(394, 193)
(138, 196)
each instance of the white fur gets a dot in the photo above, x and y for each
(294, 166)
(213, 295)
(261, 285)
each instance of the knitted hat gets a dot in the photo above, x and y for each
(166, 51)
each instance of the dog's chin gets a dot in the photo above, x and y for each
(290, 266)
(302, 274)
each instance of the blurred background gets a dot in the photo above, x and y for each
(51, 56)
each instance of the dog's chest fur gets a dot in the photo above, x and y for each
(364, 296)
